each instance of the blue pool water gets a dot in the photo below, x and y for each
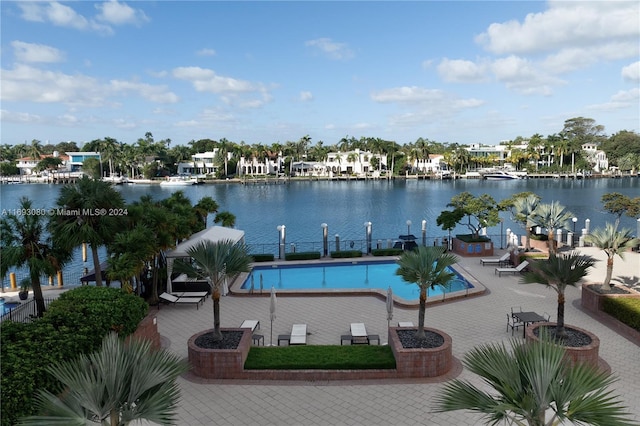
(345, 276)
(6, 307)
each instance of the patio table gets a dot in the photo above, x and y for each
(528, 318)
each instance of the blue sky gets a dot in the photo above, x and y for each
(266, 72)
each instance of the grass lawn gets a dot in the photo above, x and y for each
(319, 357)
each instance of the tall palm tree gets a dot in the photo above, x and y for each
(532, 385)
(214, 261)
(559, 272)
(120, 384)
(551, 216)
(612, 242)
(24, 243)
(90, 205)
(426, 267)
(130, 251)
(203, 207)
(524, 207)
(226, 219)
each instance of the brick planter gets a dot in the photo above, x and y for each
(421, 362)
(148, 329)
(219, 363)
(477, 249)
(592, 300)
(588, 354)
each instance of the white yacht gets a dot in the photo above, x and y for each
(179, 181)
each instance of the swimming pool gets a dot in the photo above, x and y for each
(360, 275)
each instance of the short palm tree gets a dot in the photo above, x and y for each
(559, 272)
(426, 267)
(214, 261)
(523, 208)
(532, 385)
(119, 384)
(24, 243)
(612, 242)
(551, 216)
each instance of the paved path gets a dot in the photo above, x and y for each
(470, 322)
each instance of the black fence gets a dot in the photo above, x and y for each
(24, 312)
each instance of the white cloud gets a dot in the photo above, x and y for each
(521, 75)
(306, 96)
(631, 72)
(332, 49)
(621, 100)
(117, 13)
(206, 52)
(461, 71)
(565, 24)
(19, 117)
(31, 52)
(27, 83)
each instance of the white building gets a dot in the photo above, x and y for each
(434, 164)
(596, 156)
(201, 164)
(271, 164)
(354, 163)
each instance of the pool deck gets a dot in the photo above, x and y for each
(470, 322)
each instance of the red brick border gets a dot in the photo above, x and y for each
(588, 353)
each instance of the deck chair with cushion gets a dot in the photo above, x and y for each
(518, 269)
(175, 300)
(500, 261)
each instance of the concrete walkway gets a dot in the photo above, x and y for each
(470, 322)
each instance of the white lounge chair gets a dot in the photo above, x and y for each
(202, 294)
(500, 261)
(515, 270)
(175, 300)
(298, 334)
(252, 324)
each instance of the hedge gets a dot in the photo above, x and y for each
(262, 257)
(73, 324)
(387, 252)
(346, 253)
(626, 310)
(302, 255)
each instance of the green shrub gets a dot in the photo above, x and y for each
(624, 309)
(262, 257)
(386, 252)
(539, 237)
(302, 255)
(75, 323)
(321, 357)
(468, 238)
(345, 254)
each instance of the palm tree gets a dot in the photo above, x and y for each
(89, 204)
(532, 385)
(551, 216)
(130, 251)
(612, 242)
(205, 206)
(426, 267)
(120, 384)
(24, 243)
(523, 208)
(559, 272)
(226, 219)
(214, 261)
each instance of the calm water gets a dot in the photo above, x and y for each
(364, 275)
(345, 206)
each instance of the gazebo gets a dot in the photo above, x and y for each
(214, 233)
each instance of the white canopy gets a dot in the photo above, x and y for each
(214, 234)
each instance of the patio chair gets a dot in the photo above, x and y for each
(518, 269)
(500, 261)
(513, 323)
(515, 309)
(546, 316)
(298, 334)
(175, 300)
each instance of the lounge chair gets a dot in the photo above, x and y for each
(500, 261)
(298, 334)
(252, 324)
(175, 300)
(518, 269)
(202, 294)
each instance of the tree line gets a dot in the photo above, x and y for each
(150, 158)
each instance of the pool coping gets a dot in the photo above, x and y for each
(234, 288)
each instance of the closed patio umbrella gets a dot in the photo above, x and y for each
(251, 288)
(389, 305)
(272, 312)
(261, 284)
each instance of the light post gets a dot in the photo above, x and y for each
(574, 220)
(337, 242)
(325, 239)
(367, 227)
(501, 227)
(424, 232)
(283, 236)
(408, 227)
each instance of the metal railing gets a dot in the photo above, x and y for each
(25, 312)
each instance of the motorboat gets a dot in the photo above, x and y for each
(179, 181)
(499, 175)
(114, 179)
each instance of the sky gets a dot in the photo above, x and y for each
(271, 72)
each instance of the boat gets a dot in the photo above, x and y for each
(139, 181)
(499, 175)
(114, 179)
(179, 181)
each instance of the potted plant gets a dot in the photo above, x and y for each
(25, 286)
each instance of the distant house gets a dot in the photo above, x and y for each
(27, 165)
(354, 162)
(75, 160)
(273, 163)
(201, 164)
(596, 156)
(433, 164)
